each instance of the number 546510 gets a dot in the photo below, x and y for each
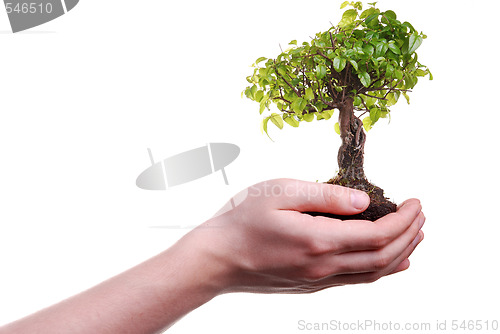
(26, 8)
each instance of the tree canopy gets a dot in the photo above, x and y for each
(369, 57)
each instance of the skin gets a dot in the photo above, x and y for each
(263, 244)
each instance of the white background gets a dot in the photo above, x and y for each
(84, 96)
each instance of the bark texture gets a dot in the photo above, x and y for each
(351, 172)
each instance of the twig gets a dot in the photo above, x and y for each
(293, 88)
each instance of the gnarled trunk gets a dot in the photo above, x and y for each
(351, 153)
(351, 158)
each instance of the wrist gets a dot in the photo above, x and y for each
(196, 268)
(207, 255)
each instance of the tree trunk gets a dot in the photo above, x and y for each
(351, 173)
(351, 153)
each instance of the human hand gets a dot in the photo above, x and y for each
(263, 243)
(266, 244)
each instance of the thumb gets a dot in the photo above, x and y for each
(321, 197)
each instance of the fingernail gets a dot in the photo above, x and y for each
(359, 199)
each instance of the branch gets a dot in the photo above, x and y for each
(386, 88)
(345, 80)
(393, 87)
(363, 113)
(332, 70)
(333, 92)
(366, 107)
(282, 99)
(323, 100)
(375, 97)
(333, 40)
(293, 88)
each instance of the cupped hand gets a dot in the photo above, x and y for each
(267, 244)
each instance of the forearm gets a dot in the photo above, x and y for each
(145, 299)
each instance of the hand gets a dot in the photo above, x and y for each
(266, 244)
(262, 242)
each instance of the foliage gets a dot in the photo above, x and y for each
(368, 57)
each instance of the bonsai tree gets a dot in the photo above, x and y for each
(360, 67)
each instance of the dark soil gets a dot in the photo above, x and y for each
(379, 205)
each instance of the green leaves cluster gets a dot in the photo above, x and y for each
(369, 56)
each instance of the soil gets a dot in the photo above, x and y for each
(379, 205)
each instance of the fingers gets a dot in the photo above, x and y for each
(401, 267)
(381, 259)
(399, 264)
(305, 196)
(330, 236)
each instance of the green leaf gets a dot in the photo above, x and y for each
(320, 71)
(253, 90)
(344, 4)
(348, 18)
(337, 128)
(277, 120)
(294, 42)
(414, 42)
(298, 105)
(374, 115)
(406, 97)
(262, 107)
(309, 117)
(354, 64)
(259, 95)
(394, 48)
(420, 73)
(260, 59)
(398, 74)
(390, 14)
(364, 78)
(409, 26)
(392, 99)
(357, 101)
(263, 71)
(372, 20)
(389, 70)
(381, 48)
(357, 4)
(339, 64)
(367, 123)
(291, 120)
(309, 94)
(368, 49)
(264, 126)
(326, 114)
(410, 81)
(368, 12)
